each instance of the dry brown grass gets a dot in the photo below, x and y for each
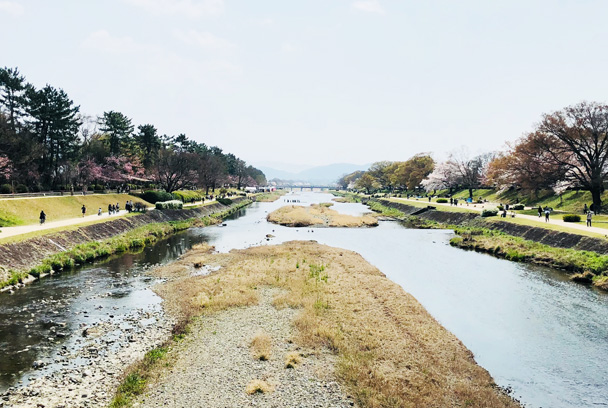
(270, 197)
(318, 215)
(261, 346)
(258, 386)
(601, 282)
(292, 359)
(391, 352)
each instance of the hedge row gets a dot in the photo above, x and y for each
(155, 196)
(187, 196)
(169, 205)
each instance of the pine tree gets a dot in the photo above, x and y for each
(118, 128)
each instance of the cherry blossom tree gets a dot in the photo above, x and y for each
(6, 167)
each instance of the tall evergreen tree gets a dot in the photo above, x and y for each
(55, 122)
(117, 128)
(149, 144)
(12, 86)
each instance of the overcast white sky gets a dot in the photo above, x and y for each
(317, 81)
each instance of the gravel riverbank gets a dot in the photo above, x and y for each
(89, 367)
(214, 365)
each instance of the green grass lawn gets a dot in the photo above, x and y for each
(26, 211)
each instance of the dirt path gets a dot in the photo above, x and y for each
(214, 365)
(555, 220)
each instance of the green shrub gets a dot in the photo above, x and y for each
(137, 243)
(156, 196)
(224, 201)
(68, 263)
(101, 252)
(90, 255)
(5, 189)
(169, 205)
(56, 264)
(21, 188)
(518, 207)
(187, 196)
(571, 218)
(154, 355)
(120, 247)
(500, 208)
(79, 256)
(442, 200)
(489, 212)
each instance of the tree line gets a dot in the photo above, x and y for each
(567, 149)
(47, 143)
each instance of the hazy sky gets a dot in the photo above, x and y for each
(317, 82)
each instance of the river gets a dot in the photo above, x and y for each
(531, 328)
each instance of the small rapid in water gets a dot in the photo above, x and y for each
(531, 328)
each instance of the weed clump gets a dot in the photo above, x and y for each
(261, 346)
(292, 359)
(258, 387)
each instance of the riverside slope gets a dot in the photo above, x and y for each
(28, 253)
(544, 236)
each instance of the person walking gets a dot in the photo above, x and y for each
(84, 210)
(42, 217)
(540, 211)
(585, 209)
(451, 201)
(589, 216)
(99, 212)
(109, 209)
(547, 212)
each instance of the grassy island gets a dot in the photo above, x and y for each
(318, 215)
(321, 315)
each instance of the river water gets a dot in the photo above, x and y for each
(530, 327)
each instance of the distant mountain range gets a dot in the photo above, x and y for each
(315, 175)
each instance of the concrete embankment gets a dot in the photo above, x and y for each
(28, 253)
(552, 238)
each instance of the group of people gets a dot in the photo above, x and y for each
(112, 209)
(546, 211)
(115, 208)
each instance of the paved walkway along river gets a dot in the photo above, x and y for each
(555, 220)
